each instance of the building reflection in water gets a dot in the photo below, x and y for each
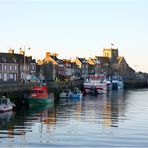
(22, 122)
(6, 126)
(105, 109)
(114, 108)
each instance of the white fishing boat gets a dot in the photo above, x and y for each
(65, 94)
(108, 83)
(5, 104)
(87, 87)
(96, 84)
(100, 87)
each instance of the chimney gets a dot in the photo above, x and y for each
(55, 54)
(47, 54)
(11, 51)
(21, 52)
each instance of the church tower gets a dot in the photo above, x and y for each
(111, 53)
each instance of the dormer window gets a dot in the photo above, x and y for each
(14, 60)
(4, 59)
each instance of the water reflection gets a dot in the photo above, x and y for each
(6, 120)
(69, 122)
(114, 108)
(105, 108)
(21, 122)
(102, 109)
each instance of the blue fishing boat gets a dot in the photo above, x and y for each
(76, 94)
(117, 82)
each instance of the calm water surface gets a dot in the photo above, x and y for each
(117, 119)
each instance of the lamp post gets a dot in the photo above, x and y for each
(24, 65)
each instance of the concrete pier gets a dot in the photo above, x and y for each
(8, 88)
(135, 84)
(18, 90)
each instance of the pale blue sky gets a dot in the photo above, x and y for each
(76, 28)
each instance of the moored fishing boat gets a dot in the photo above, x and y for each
(108, 84)
(39, 95)
(76, 94)
(100, 88)
(87, 87)
(66, 93)
(95, 85)
(117, 82)
(5, 104)
(99, 84)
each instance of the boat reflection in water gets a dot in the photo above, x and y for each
(104, 109)
(6, 120)
(114, 119)
(37, 125)
(114, 108)
(40, 113)
(20, 125)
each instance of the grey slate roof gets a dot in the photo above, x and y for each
(14, 58)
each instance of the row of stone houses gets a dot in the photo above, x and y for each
(108, 64)
(14, 65)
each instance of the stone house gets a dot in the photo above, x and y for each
(102, 65)
(91, 66)
(82, 69)
(13, 65)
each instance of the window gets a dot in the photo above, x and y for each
(5, 67)
(14, 77)
(5, 77)
(14, 60)
(11, 76)
(4, 59)
(21, 68)
(15, 67)
(10, 68)
(0, 67)
(32, 67)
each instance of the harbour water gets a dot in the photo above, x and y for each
(116, 119)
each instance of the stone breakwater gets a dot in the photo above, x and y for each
(54, 86)
(135, 84)
(18, 90)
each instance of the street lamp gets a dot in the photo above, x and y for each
(24, 67)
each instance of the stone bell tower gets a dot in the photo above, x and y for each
(111, 53)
